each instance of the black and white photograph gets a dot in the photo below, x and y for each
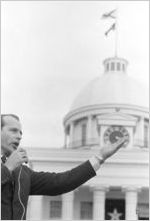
(75, 110)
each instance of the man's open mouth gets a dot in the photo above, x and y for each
(15, 145)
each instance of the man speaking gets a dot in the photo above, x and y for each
(18, 181)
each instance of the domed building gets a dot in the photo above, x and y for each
(109, 106)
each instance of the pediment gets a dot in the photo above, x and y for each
(116, 118)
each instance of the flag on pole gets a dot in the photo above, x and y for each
(111, 28)
(110, 14)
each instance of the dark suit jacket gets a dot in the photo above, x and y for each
(16, 187)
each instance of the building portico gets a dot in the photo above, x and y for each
(93, 203)
(120, 187)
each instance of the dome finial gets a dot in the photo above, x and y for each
(115, 65)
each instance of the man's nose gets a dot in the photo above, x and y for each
(19, 136)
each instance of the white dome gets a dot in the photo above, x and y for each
(114, 87)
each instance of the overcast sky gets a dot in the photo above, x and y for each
(52, 49)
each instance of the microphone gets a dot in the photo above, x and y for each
(3, 158)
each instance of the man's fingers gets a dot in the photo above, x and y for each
(117, 138)
(20, 149)
(24, 159)
(120, 142)
(23, 154)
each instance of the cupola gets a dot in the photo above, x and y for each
(115, 65)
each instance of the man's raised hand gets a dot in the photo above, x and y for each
(17, 158)
(107, 151)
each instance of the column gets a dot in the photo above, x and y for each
(99, 193)
(35, 208)
(67, 206)
(65, 140)
(140, 132)
(89, 130)
(71, 133)
(131, 197)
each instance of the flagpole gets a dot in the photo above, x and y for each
(114, 26)
(116, 35)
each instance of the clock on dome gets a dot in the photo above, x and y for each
(113, 132)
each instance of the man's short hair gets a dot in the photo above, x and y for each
(7, 115)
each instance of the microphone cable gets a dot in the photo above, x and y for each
(23, 207)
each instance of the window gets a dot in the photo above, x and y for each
(118, 66)
(143, 211)
(83, 134)
(55, 209)
(112, 66)
(123, 67)
(86, 210)
(114, 207)
(107, 67)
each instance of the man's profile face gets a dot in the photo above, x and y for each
(11, 134)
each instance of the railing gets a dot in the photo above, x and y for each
(95, 141)
(84, 143)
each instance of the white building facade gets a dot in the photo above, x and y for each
(109, 106)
